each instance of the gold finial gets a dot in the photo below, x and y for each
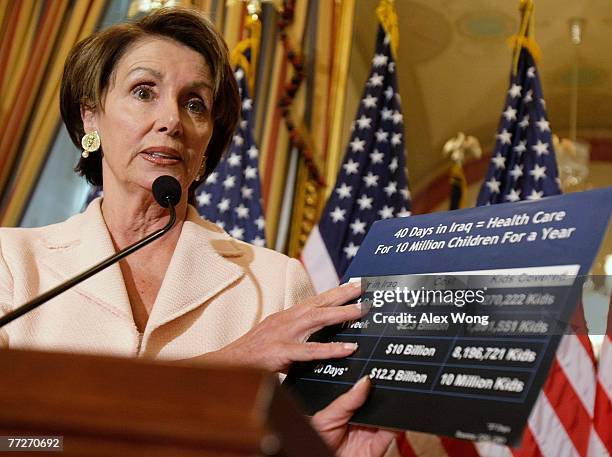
(138, 7)
(388, 19)
(462, 146)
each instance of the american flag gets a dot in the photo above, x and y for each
(601, 436)
(371, 183)
(231, 194)
(523, 166)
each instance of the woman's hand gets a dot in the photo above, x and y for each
(280, 339)
(350, 440)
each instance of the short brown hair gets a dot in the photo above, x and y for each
(91, 64)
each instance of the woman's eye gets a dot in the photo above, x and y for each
(195, 105)
(143, 93)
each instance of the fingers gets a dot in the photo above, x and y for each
(320, 351)
(336, 296)
(342, 408)
(315, 319)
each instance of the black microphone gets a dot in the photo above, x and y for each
(167, 192)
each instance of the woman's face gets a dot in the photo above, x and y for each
(156, 115)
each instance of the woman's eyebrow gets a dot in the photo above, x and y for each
(200, 84)
(155, 73)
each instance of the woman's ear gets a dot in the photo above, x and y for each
(90, 119)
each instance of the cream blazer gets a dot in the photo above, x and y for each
(215, 289)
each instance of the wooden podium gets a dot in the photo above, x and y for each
(105, 406)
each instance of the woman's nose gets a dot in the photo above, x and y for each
(169, 119)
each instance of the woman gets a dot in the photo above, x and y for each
(153, 98)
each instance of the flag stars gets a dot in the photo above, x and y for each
(379, 60)
(344, 191)
(386, 212)
(234, 160)
(535, 195)
(514, 195)
(376, 156)
(505, 137)
(203, 199)
(397, 117)
(396, 139)
(212, 178)
(351, 167)
(247, 104)
(493, 185)
(382, 136)
(260, 223)
(246, 192)
(525, 122)
(389, 93)
(250, 172)
(510, 113)
(337, 214)
(393, 165)
(358, 227)
(540, 148)
(516, 172)
(386, 113)
(253, 152)
(350, 250)
(538, 172)
(370, 180)
(229, 182)
(521, 147)
(515, 90)
(531, 72)
(391, 67)
(405, 193)
(237, 232)
(403, 212)
(365, 202)
(364, 122)
(528, 96)
(499, 161)
(390, 188)
(242, 211)
(357, 145)
(369, 101)
(223, 205)
(239, 74)
(238, 140)
(543, 125)
(258, 241)
(375, 80)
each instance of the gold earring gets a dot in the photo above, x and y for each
(202, 169)
(90, 143)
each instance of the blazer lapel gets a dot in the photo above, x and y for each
(198, 271)
(75, 246)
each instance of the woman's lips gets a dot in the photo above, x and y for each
(161, 157)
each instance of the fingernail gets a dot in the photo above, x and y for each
(351, 346)
(363, 380)
(352, 284)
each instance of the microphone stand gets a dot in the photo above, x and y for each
(36, 302)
